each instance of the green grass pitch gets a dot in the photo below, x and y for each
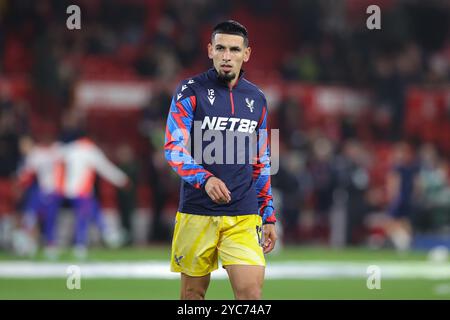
(290, 289)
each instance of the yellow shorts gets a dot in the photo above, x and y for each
(199, 241)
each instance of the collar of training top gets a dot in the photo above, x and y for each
(213, 75)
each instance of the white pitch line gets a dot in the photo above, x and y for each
(275, 270)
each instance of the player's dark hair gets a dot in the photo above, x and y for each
(231, 27)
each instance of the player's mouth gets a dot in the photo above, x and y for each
(226, 67)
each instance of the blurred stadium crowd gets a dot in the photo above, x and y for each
(351, 105)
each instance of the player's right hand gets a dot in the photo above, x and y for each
(217, 191)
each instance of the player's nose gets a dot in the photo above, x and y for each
(226, 55)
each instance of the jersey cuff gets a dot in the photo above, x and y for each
(206, 180)
(268, 216)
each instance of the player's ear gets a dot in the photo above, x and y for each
(210, 51)
(247, 53)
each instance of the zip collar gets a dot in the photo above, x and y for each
(213, 76)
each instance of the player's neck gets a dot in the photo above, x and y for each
(232, 83)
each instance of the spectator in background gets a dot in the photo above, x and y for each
(324, 182)
(9, 140)
(402, 186)
(9, 159)
(389, 95)
(145, 64)
(353, 178)
(287, 180)
(127, 197)
(439, 66)
(161, 180)
(434, 204)
(302, 66)
(290, 116)
(159, 176)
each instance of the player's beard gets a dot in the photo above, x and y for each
(226, 77)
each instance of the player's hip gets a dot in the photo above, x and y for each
(200, 240)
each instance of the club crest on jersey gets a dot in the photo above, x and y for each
(211, 96)
(249, 103)
(178, 259)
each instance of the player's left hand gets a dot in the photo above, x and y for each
(270, 237)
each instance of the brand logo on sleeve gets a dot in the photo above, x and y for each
(211, 96)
